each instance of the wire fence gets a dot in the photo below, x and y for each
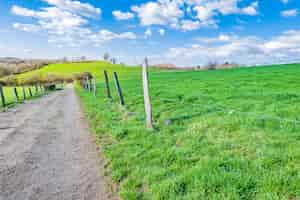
(197, 110)
(10, 96)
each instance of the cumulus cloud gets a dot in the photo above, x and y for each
(289, 13)
(202, 13)
(119, 15)
(77, 7)
(244, 50)
(164, 12)
(66, 23)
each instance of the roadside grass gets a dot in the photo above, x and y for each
(231, 134)
(10, 97)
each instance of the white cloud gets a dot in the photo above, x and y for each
(251, 10)
(51, 17)
(287, 41)
(220, 39)
(289, 13)
(27, 27)
(66, 23)
(285, 1)
(203, 13)
(77, 7)
(244, 50)
(164, 12)
(189, 25)
(148, 33)
(162, 32)
(173, 13)
(17, 10)
(108, 35)
(122, 15)
(206, 10)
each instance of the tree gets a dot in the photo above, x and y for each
(106, 56)
(82, 58)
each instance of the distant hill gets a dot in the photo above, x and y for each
(13, 65)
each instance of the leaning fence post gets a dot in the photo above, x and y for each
(147, 100)
(2, 97)
(16, 94)
(94, 86)
(24, 93)
(36, 89)
(107, 84)
(30, 92)
(119, 90)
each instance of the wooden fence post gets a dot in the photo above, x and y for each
(94, 86)
(88, 83)
(36, 89)
(45, 90)
(2, 97)
(119, 90)
(107, 84)
(24, 93)
(16, 94)
(30, 92)
(147, 100)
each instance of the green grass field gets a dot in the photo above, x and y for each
(231, 134)
(72, 68)
(10, 97)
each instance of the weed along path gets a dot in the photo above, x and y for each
(46, 152)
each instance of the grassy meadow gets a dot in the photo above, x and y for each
(96, 68)
(224, 134)
(231, 134)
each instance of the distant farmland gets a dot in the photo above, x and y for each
(223, 134)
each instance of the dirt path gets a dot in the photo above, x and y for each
(46, 152)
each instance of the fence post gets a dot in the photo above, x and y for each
(2, 97)
(36, 89)
(88, 83)
(94, 86)
(16, 94)
(147, 100)
(119, 90)
(30, 92)
(24, 93)
(107, 84)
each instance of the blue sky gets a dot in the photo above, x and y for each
(183, 32)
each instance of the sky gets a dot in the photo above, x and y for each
(182, 32)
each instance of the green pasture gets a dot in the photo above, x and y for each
(225, 134)
(96, 68)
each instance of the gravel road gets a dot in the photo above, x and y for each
(46, 152)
